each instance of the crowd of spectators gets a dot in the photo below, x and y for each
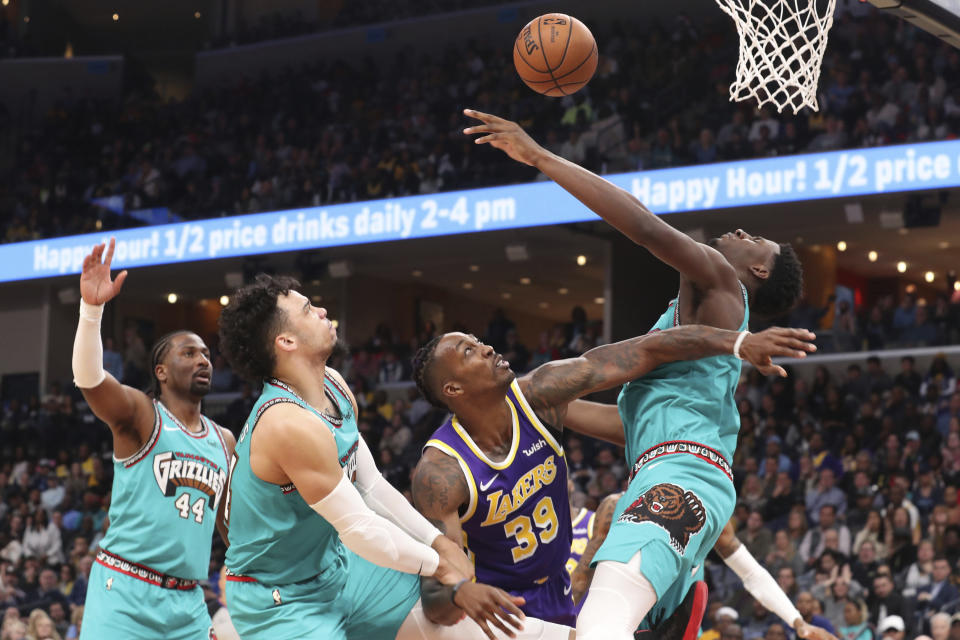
(336, 131)
(848, 486)
(885, 324)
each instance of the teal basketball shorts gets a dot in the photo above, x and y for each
(352, 600)
(120, 605)
(672, 512)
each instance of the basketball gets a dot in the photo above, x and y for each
(555, 55)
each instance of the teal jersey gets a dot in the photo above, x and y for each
(165, 498)
(275, 536)
(690, 400)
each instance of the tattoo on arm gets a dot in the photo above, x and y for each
(601, 523)
(439, 489)
(550, 387)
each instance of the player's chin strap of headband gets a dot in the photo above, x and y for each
(736, 345)
(87, 348)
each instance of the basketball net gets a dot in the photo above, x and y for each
(781, 49)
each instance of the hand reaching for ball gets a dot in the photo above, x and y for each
(506, 136)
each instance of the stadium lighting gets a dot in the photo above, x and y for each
(841, 246)
(956, 285)
(116, 17)
(468, 285)
(598, 300)
(902, 266)
(872, 256)
(581, 260)
(474, 268)
(544, 305)
(524, 280)
(224, 301)
(197, 15)
(172, 298)
(929, 276)
(563, 291)
(5, 2)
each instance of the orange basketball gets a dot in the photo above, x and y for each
(555, 54)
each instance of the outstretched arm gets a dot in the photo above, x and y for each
(127, 411)
(552, 386)
(700, 264)
(597, 420)
(761, 585)
(583, 574)
(439, 491)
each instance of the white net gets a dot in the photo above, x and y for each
(781, 48)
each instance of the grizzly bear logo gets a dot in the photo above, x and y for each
(680, 513)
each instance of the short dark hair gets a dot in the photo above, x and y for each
(157, 354)
(782, 288)
(249, 324)
(423, 363)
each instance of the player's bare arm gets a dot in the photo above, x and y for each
(291, 445)
(127, 411)
(705, 268)
(552, 386)
(439, 491)
(583, 574)
(595, 419)
(230, 442)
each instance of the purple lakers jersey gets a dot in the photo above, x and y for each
(582, 532)
(517, 524)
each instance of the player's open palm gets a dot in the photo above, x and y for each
(505, 135)
(759, 348)
(488, 605)
(95, 284)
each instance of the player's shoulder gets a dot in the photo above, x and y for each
(439, 481)
(336, 376)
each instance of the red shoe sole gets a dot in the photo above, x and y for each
(697, 611)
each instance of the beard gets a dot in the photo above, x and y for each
(198, 388)
(712, 242)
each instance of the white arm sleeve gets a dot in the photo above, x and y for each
(372, 537)
(761, 585)
(87, 349)
(387, 501)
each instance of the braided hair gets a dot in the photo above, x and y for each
(422, 365)
(160, 350)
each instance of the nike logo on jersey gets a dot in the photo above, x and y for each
(484, 487)
(567, 589)
(536, 446)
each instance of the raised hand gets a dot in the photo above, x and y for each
(488, 605)
(95, 284)
(759, 348)
(506, 136)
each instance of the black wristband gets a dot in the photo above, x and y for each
(456, 587)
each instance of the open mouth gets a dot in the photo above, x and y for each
(500, 363)
(203, 376)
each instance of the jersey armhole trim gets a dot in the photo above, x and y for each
(148, 446)
(546, 432)
(471, 484)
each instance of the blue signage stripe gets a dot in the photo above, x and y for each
(932, 165)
